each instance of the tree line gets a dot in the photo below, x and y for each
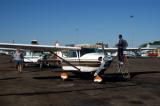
(150, 43)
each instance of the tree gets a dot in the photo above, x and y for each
(143, 45)
(150, 43)
(156, 43)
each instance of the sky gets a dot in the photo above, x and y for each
(80, 21)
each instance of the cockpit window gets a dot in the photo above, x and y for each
(70, 54)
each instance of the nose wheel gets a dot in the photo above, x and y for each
(98, 79)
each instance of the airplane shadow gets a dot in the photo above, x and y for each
(112, 77)
(118, 77)
(71, 78)
(47, 77)
(133, 74)
(10, 78)
(30, 70)
(109, 77)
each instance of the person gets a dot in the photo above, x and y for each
(122, 44)
(18, 57)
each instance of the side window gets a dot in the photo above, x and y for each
(70, 54)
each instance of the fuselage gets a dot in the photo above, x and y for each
(84, 60)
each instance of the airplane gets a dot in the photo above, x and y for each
(77, 58)
(32, 57)
(6, 51)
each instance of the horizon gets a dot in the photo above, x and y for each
(80, 21)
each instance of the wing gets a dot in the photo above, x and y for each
(38, 47)
(8, 49)
(127, 49)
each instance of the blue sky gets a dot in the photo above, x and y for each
(79, 21)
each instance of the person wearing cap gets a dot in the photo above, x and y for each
(122, 44)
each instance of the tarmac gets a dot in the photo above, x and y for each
(35, 87)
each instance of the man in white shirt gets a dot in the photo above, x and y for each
(18, 57)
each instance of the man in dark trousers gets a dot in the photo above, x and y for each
(122, 44)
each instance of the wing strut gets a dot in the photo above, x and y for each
(100, 68)
(102, 62)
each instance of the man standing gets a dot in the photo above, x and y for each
(122, 44)
(18, 57)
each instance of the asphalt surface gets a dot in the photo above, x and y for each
(35, 87)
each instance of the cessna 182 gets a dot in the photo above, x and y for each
(74, 58)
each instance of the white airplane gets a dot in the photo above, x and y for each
(32, 57)
(74, 59)
(6, 51)
(29, 56)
